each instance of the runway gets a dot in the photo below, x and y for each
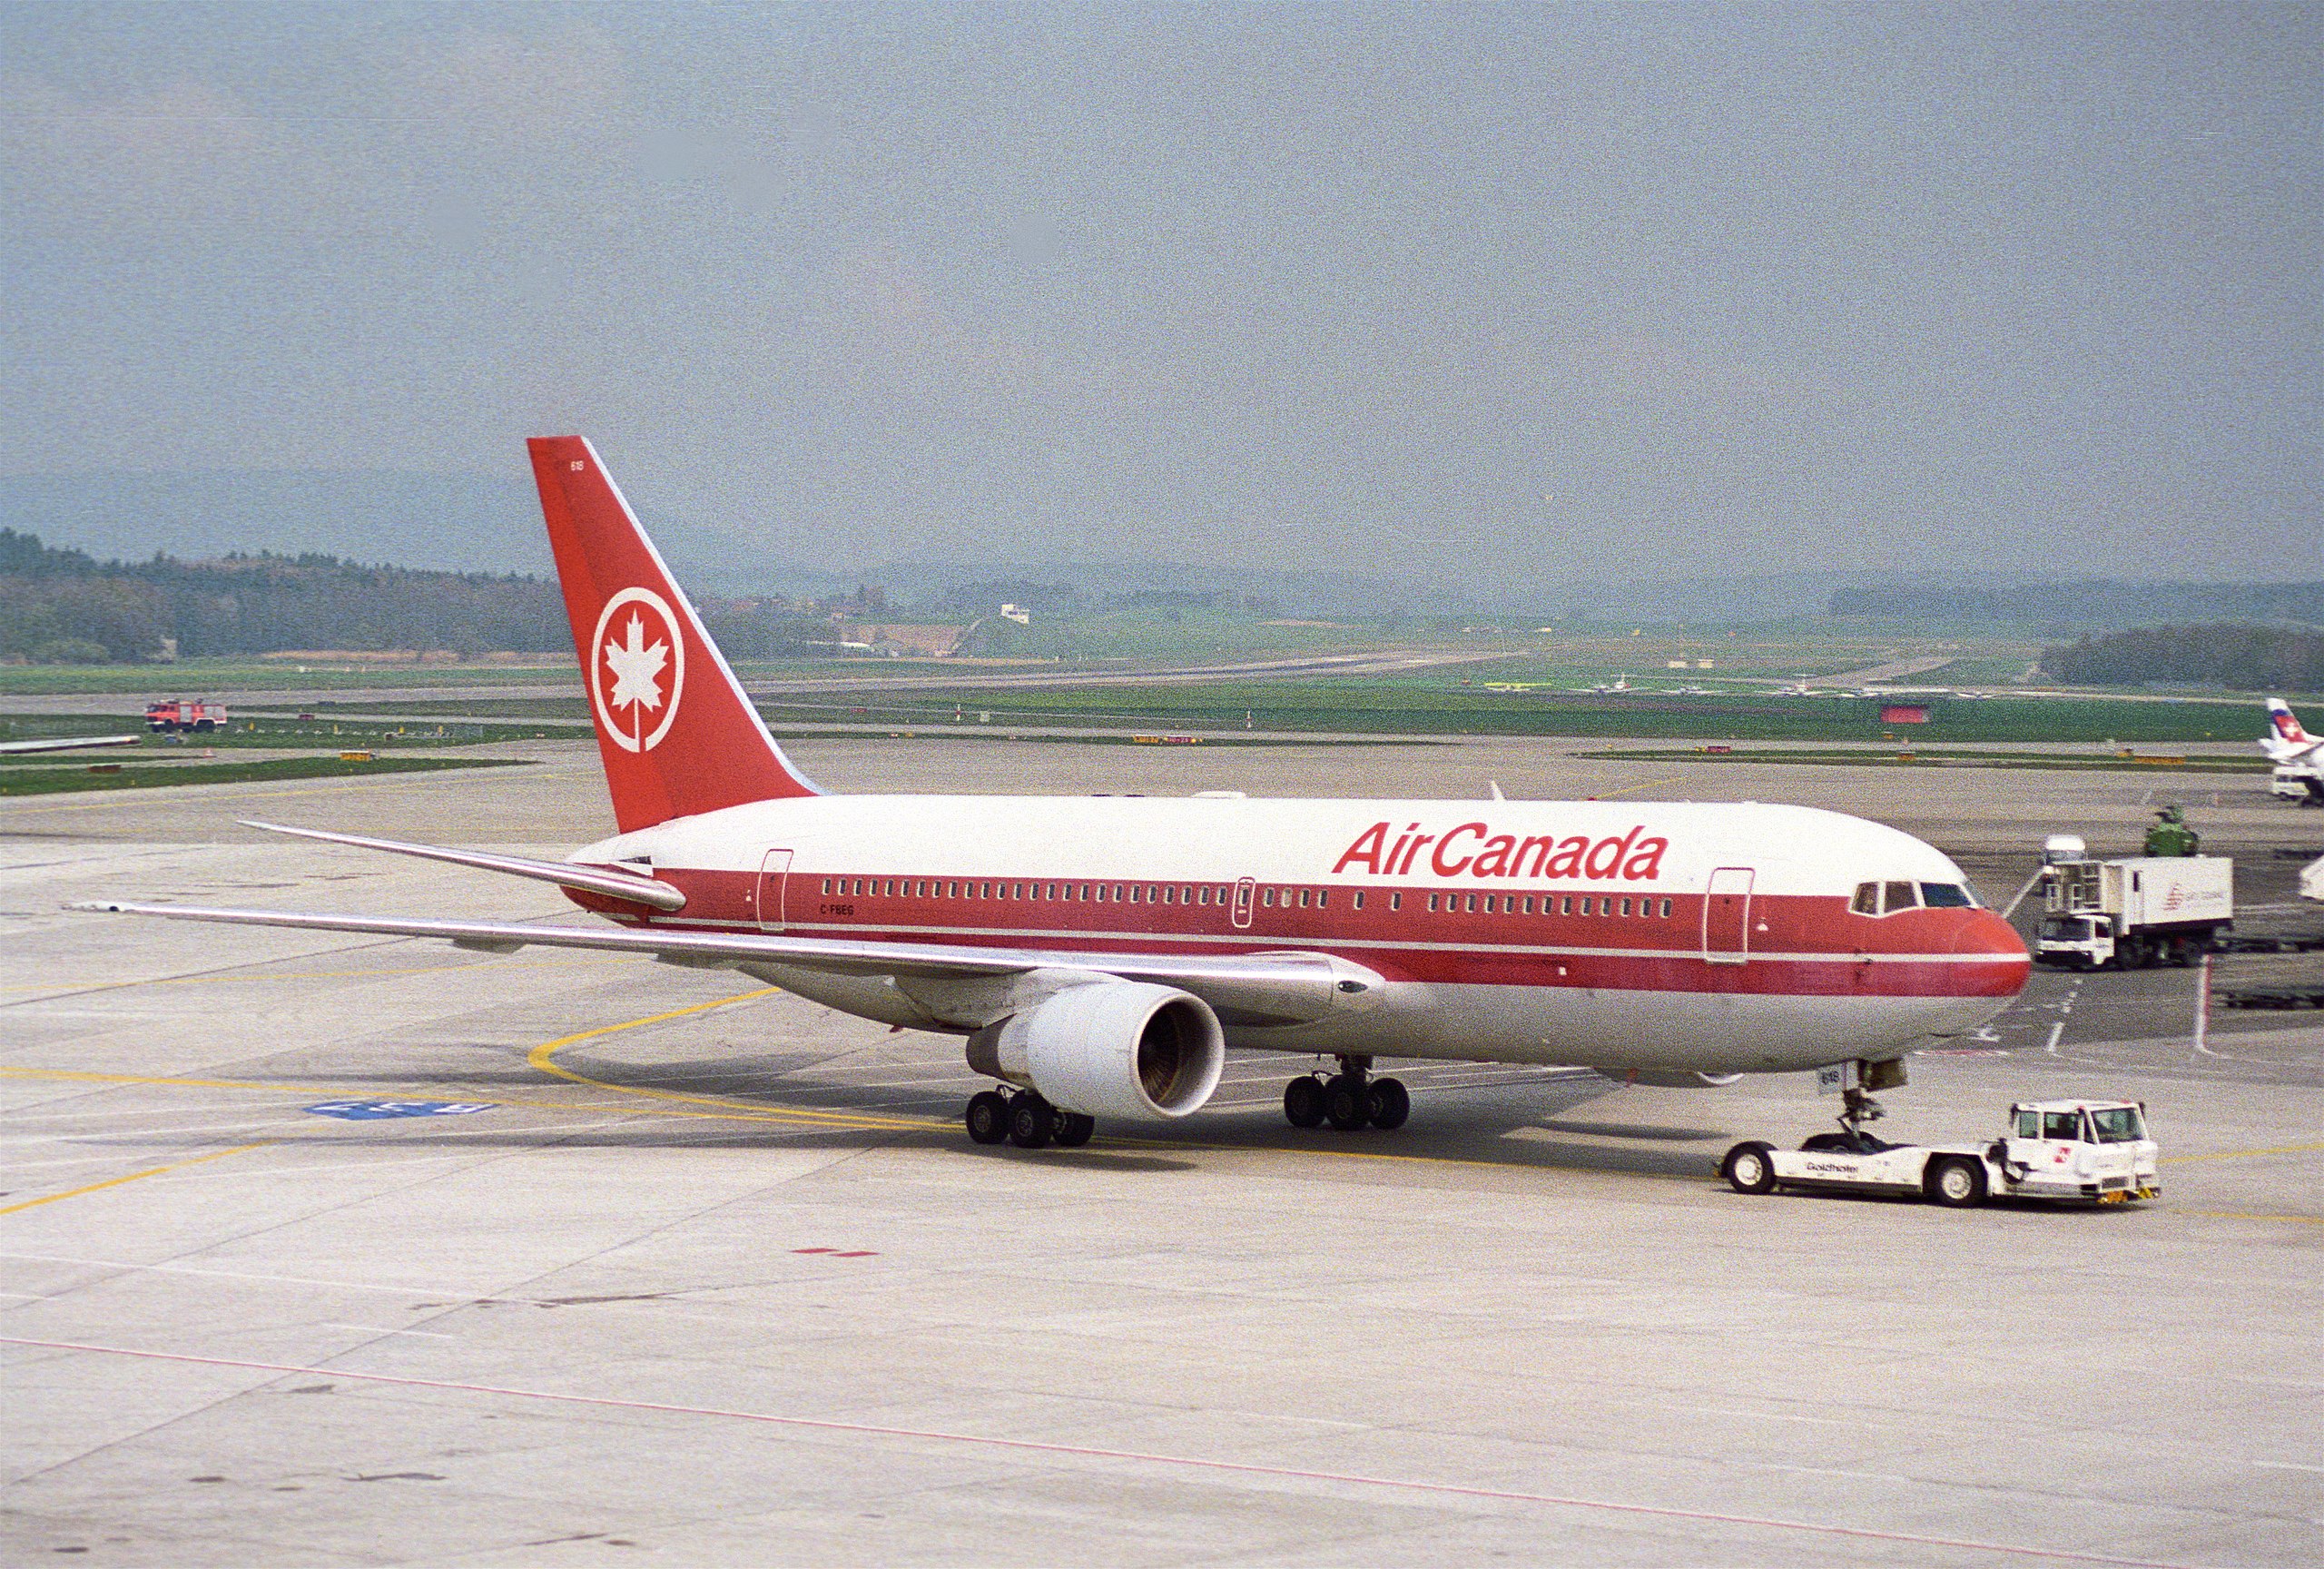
(320, 1251)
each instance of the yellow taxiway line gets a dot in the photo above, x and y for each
(133, 1177)
(2240, 1154)
(543, 1058)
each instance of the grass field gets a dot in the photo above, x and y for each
(55, 781)
(1432, 705)
(322, 734)
(1390, 708)
(1951, 758)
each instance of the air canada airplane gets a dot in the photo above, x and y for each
(1100, 954)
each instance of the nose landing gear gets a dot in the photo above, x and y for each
(1026, 1120)
(1349, 1099)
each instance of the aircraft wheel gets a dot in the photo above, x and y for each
(1347, 1103)
(988, 1117)
(1073, 1130)
(1748, 1168)
(1957, 1183)
(1390, 1104)
(1303, 1101)
(1032, 1121)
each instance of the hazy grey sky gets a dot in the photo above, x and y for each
(1524, 292)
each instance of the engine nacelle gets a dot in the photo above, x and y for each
(1110, 1049)
(1670, 1078)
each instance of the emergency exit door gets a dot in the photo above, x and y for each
(1727, 916)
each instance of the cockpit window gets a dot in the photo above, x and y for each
(1946, 896)
(1896, 896)
(1867, 899)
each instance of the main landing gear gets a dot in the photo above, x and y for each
(1024, 1118)
(1349, 1099)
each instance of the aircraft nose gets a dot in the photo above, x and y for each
(1984, 932)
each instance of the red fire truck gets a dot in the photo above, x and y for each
(177, 716)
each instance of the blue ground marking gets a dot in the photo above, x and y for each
(373, 1111)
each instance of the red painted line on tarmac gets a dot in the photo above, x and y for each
(1033, 1445)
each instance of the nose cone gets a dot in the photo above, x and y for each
(2004, 964)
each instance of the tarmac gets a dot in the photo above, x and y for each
(320, 1251)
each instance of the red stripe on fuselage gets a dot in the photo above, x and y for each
(1805, 946)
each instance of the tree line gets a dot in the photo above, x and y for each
(61, 606)
(2089, 602)
(2250, 658)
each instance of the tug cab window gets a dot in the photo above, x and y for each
(2063, 1125)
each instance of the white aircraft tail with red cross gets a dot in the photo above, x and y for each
(678, 736)
(2286, 740)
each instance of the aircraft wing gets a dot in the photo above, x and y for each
(67, 743)
(1275, 988)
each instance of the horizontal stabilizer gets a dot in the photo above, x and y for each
(629, 885)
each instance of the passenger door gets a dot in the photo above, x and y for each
(1241, 914)
(1727, 916)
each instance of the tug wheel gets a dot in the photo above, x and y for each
(1957, 1183)
(1750, 1169)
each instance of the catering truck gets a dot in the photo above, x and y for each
(2073, 1151)
(2137, 911)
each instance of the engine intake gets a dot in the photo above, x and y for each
(1110, 1049)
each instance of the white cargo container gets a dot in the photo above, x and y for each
(2133, 913)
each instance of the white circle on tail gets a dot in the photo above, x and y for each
(638, 646)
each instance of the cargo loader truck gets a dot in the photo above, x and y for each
(2134, 912)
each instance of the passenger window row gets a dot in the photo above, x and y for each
(1077, 893)
(1203, 894)
(1552, 904)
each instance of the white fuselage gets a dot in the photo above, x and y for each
(1654, 936)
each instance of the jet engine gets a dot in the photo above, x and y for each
(1110, 1049)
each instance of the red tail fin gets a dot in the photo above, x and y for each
(677, 734)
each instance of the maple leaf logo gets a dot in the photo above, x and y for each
(639, 647)
(638, 668)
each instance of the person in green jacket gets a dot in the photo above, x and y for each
(2171, 835)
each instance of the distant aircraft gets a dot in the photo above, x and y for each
(67, 743)
(2299, 756)
(2286, 740)
(1098, 954)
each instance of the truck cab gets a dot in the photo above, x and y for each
(2096, 1151)
(2085, 940)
